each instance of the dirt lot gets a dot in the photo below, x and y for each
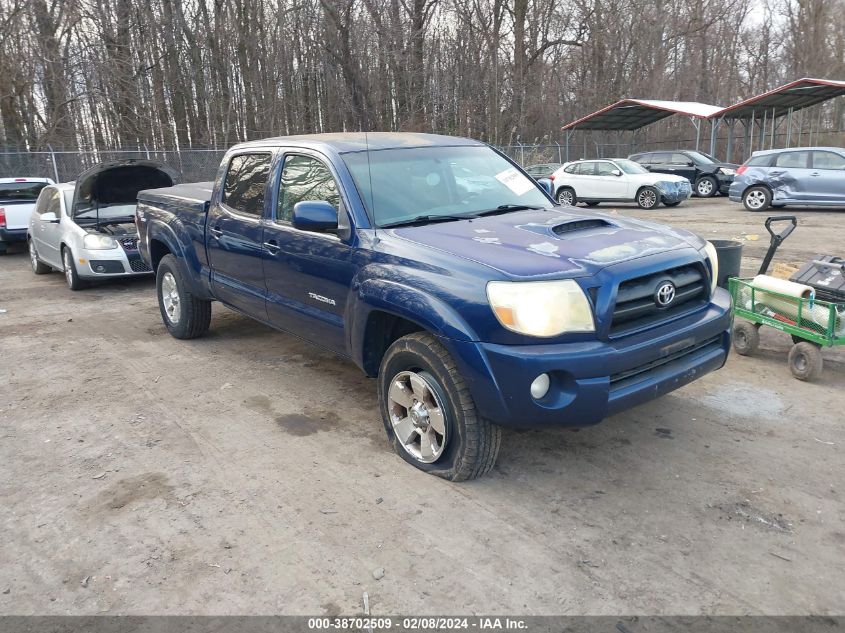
(247, 472)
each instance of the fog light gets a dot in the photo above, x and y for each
(540, 386)
(100, 268)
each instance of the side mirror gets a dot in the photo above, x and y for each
(616, 172)
(314, 215)
(690, 163)
(546, 185)
(49, 217)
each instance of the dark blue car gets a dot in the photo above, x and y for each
(440, 268)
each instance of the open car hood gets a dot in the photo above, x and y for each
(118, 182)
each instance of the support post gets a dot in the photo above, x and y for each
(789, 128)
(53, 159)
(714, 127)
(729, 152)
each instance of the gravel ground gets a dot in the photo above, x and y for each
(248, 473)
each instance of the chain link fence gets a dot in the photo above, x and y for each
(64, 166)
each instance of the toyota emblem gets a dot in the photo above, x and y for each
(665, 294)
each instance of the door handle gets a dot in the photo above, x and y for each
(216, 231)
(815, 173)
(272, 246)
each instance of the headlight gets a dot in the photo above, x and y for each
(96, 242)
(541, 308)
(727, 171)
(710, 253)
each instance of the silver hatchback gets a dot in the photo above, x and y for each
(800, 177)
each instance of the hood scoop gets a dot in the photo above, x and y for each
(580, 225)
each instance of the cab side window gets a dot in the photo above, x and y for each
(246, 179)
(305, 179)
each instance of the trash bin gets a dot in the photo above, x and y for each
(729, 254)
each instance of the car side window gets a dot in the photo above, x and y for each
(54, 204)
(305, 179)
(759, 161)
(793, 159)
(604, 169)
(680, 159)
(572, 169)
(587, 168)
(828, 160)
(659, 159)
(246, 179)
(43, 200)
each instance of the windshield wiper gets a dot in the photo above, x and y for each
(507, 208)
(428, 219)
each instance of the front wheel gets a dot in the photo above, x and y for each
(648, 198)
(429, 414)
(706, 187)
(184, 315)
(757, 198)
(805, 361)
(74, 281)
(746, 338)
(567, 196)
(38, 267)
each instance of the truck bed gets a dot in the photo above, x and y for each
(190, 196)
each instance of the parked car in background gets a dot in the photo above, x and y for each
(17, 200)
(542, 170)
(473, 309)
(617, 180)
(804, 176)
(87, 228)
(707, 175)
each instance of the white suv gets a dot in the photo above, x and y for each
(617, 180)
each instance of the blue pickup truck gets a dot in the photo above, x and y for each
(445, 272)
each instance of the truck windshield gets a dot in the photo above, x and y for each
(401, 184)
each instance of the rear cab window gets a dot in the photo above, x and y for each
(20, 192)
(246, 183)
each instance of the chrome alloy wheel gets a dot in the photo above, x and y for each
(170, 298)
(565, 197)
(68, 262)
(755, 199)
(417, 415)
(647, 198)
(704, 187)
(33, 256)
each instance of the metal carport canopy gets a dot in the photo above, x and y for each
(799, 94)
(632, 114)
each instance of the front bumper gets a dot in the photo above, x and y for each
(673, 192)
(12, 235)
(115, 262)
(594, 379)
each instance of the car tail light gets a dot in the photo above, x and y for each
(552, 177)
(20, 180)
(2, 217)
(741, 170)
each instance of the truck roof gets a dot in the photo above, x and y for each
(359, 141)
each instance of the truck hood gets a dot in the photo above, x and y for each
(118, 182)
(558, 243)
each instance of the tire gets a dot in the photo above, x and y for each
(757, 198)
(746, 338)
(706, 187)
(671, 204)
(805, 361)
(566, 195)
(38, 267)
(593, 203)
(416, 370)
(74, 281)
(184, 315)
(648, 198)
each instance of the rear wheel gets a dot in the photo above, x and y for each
(648, 198)
(74, 281)
(567, 196)
(706, 187)
(757, 198)
(38, 267)
(429, 414)
(805, 361)
(746, 338)
(184, 315)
